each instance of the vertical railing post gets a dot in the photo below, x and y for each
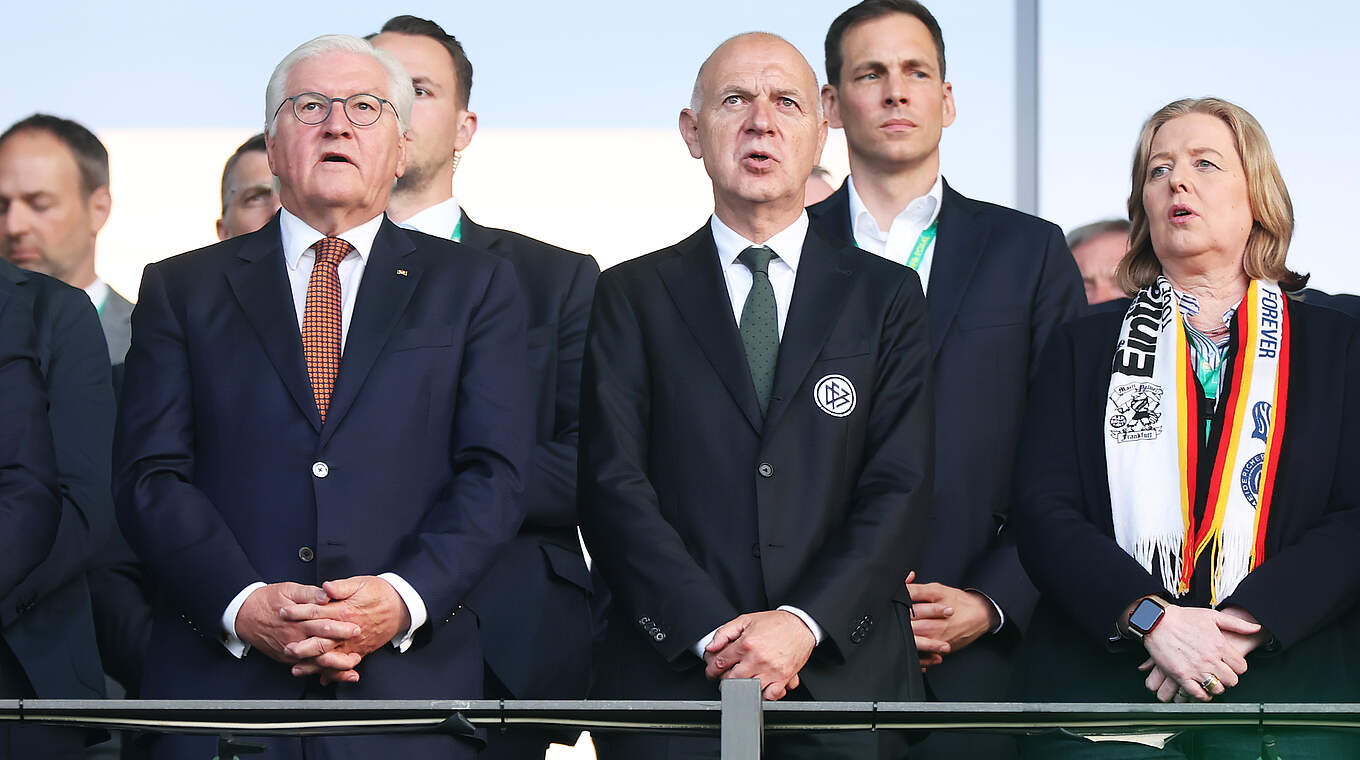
(743, 724)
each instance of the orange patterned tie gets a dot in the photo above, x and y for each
(321, 320)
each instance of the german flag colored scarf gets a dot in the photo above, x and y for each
(1153, 440)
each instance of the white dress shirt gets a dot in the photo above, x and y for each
(298, 257)
(897, 243)
(787, 245)
(439, 220)
(98, 291)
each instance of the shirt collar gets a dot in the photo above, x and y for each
(920, 212)
(98, 291)
(1189, 305)
(299, 237)
(787, 244)
(439, 220)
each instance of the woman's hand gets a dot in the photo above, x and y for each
(1190, 644)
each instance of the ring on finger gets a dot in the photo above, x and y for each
(1210, 682)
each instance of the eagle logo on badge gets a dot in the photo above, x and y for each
(835, 395)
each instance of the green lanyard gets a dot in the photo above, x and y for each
(457, 235)
(922, 243)
(918, 252)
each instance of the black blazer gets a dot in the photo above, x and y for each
(220, 453)
(1000, 282)
(696, 510)
(1309, 579)
(46, 618)
(534, 603)
(30, 503)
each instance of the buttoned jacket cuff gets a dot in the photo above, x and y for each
(414, 605)
(230, 640)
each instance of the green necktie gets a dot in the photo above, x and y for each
(760, 323)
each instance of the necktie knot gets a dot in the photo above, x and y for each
(757, 259)
(330, 250)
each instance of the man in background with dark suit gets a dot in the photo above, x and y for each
(325, 430)
(755, 435)
(997, 283)
(57, 175)
(533, 606)
(49, 649)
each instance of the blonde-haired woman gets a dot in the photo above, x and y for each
(1188, 489)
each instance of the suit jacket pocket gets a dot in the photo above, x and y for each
(421, 337)
(843, 349)
(567, 565)
(975, 320)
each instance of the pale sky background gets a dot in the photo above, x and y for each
(578, 105)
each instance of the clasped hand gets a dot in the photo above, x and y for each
(323, 631)
(945, 619)
(772, 646)
(1190, 644)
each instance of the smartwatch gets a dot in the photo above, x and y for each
(1145, 616)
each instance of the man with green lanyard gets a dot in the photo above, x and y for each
(55, 199)
(997, 282)
(533, 606)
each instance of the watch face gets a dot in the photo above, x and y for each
(1145, 615)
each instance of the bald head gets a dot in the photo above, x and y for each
(770, 42)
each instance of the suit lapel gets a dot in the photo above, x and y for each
(819, 293)
(695, 282)
(832, 216)
(476, 235)
(260, 284)
(382, 298)
(962, 234)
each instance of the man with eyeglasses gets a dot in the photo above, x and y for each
(325, 430)
(248, 195)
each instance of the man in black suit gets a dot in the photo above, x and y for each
(46, 620)
(997, 283)
(323, 438)
(533, 606)
(755, 434)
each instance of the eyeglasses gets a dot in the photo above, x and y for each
(312, 108)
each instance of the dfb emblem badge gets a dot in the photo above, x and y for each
(835, 395)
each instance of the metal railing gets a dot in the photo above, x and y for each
(741, 718)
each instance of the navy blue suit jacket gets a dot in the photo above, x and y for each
(1306, 590)
(540, 649)
(1000, 282)
(425, 445)
(698, 508)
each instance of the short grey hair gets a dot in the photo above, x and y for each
(402, 93)
(1088, 232)
(696, 95)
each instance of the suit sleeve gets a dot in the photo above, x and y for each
(643, 559)
(550, 489)
(1069, 558)
(1058, 298)
(492, 437)
(884, 534)
(171, 524)
(1315, 579)
(29, 501)
(80, 411)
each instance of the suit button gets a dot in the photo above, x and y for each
(306, 554)
(766, 470)
(856, 637)
(659, 636)
(755, 550)
(321, 469)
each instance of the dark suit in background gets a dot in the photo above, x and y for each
(533, 606)
(227, 475)
(696, 510)
(46, 619)
(1000, 282)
